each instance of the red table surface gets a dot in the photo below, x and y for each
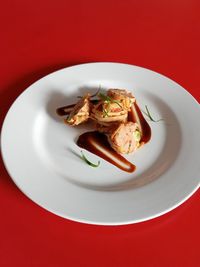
(38, 37)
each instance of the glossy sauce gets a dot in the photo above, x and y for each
(98, 144)
(136, 115)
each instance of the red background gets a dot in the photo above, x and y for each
(38, 37)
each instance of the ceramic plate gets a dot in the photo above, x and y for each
(41, 155)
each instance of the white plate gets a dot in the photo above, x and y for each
(41, 155)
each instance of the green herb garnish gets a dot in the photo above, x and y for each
(108, 99)
(69, 117)
(137, 135)
(97, 92)
(105, 113)
(104, 97)
(89, 162)
(150, 116)
(117, 102)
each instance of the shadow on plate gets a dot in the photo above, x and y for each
(56, 99)
(10, 92)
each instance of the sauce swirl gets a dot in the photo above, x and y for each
(135, 115)
(97, 143)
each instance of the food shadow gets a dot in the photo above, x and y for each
(56, 99)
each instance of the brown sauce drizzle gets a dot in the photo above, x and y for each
(91, 141)
(136, 115)
(98, 144)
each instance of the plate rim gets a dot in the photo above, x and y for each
(85, 220)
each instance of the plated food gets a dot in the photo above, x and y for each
(119, 125)
(44, 161)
